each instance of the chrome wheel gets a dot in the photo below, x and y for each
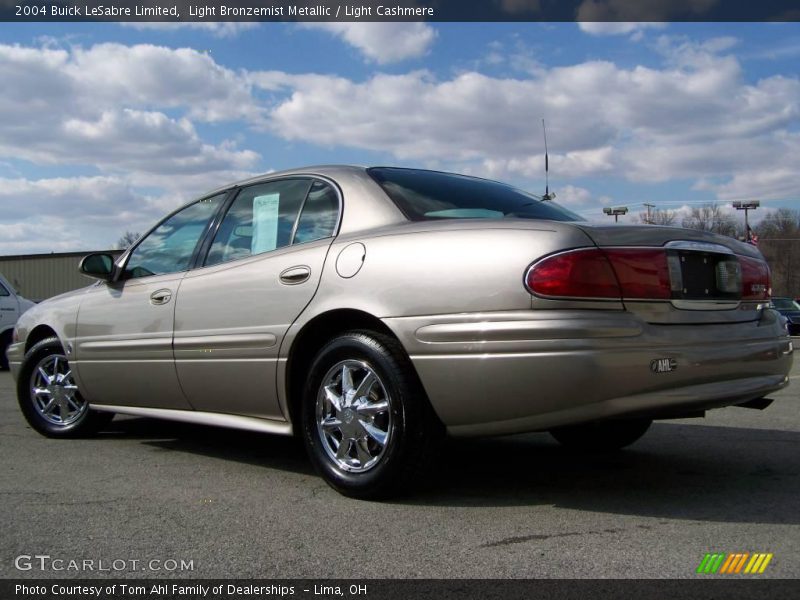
(53, 391)
(353, 414)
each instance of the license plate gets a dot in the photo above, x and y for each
(704, 276)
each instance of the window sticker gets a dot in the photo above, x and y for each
(265, 223)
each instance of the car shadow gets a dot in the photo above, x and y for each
(677, 471)
(246, 447)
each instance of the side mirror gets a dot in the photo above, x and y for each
(97, 265)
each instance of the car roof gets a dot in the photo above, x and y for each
(331, 171)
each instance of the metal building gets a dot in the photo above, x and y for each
(40, 276)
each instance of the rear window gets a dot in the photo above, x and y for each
(429, 195)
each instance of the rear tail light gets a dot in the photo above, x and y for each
(575, 274)
(647, 274)
(756, 283)
(642, 273)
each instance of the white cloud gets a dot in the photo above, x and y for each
(617, 27)
(73, 213)
(132, 115)
(517, 55)
(127, 112)
(383, 42)
(568, 165)
(129, 139)
(574, 197)
(694, 118)
(219, 29)
(94, 107)
(145, 75)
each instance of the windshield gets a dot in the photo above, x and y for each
(428, 195)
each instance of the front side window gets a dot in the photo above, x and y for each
(261, 218)
(3, 290)
(170, 246)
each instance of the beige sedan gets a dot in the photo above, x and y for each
(371, 311)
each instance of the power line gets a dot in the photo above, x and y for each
(679, 203)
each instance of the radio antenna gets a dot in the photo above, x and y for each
(547, 195)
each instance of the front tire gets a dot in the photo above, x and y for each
(49, 398)
(367, 425)
(602, 435)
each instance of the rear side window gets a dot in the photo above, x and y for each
(319, 216)
(261, 219)
(430, 195)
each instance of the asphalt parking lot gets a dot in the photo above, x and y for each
(248, 505)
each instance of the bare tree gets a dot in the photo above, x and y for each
(659, 217)
(779, 241)
(711, 217)
(127, 239)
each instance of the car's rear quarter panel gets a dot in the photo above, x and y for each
(526, 370)
(494, 360)
(424, 269)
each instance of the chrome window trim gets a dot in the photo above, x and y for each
(122, 259)
(201, 259)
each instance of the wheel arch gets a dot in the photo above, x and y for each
(313, 335)
(39, 333)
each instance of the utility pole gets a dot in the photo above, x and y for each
(747, 207)
(649, 206)
(616, 211)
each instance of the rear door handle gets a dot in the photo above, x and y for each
(160, 297)
(295, 275)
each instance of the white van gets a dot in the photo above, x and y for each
(11, 307)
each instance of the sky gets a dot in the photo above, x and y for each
(105, 127)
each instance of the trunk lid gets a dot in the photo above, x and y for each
(705, 271)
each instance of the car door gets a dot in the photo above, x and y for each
(123, 346)
(261, 270)
(9, 308)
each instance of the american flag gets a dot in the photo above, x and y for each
(752, 237)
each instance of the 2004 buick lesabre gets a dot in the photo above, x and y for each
(371, 311)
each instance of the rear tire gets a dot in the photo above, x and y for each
(49, 398)
(367, 425)
(602, 435)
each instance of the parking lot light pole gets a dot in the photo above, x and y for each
(747, 207)
(616, 211)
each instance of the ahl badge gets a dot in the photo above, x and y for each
(663, 365)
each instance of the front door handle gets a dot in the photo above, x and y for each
(295, 275)
(160, 297)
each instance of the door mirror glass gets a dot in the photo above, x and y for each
(98, 265)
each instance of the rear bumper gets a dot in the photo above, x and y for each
(510, 372)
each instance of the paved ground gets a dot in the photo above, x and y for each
(248, 505)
